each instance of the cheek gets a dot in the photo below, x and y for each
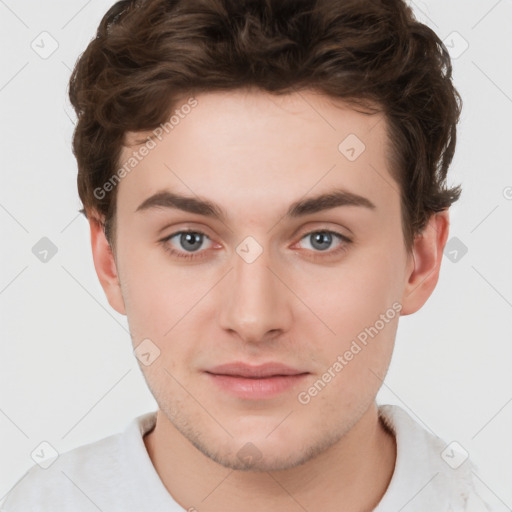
(155, 294)
(360, 303)
(352, 296)
(352, 369)
(166, 304)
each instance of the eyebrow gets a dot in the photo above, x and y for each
(325, 201)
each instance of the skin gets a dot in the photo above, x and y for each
(254, 154)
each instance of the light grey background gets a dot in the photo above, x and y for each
(68, 375)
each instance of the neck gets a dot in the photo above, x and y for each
(355, 472)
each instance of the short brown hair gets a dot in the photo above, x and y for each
(373, 54)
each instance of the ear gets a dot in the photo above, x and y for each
(425, 262)
(105, 265)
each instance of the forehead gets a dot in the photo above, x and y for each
(244, 148)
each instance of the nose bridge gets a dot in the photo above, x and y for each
(255, 302)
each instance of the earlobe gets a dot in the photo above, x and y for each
(105, 265)
(425, 263)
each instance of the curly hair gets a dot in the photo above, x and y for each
(373, 54)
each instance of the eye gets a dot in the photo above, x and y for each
(183, 242)
(188, 244)
(322, 240)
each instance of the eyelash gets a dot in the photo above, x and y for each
(346, 241)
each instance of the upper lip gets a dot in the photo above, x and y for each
(263, 370)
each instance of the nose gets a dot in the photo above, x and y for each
(255, 301)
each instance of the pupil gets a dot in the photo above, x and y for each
(190, 238)
(320, 238)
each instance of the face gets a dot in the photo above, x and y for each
(274, 277)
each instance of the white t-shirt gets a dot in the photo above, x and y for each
(115, 474)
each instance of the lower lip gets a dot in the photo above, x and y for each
(256, 389)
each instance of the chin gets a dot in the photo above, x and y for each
(258, 461)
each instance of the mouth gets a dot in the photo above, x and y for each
(255, 382)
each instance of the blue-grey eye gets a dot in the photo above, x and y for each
(321, 240)
(189, 241)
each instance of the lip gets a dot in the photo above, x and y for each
(240, 369)
(251, 382)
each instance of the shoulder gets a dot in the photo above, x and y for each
(430, 473)
(67, 482)
(81, 478)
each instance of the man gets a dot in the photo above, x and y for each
(265, 186)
